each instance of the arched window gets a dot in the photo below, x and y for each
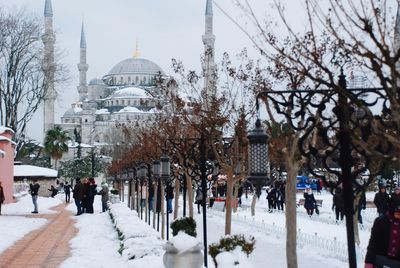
(116, 102)
(121, 80)
(137, 79)
(129, 79)
(144, 80)
(122, 102)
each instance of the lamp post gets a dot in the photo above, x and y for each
(156, 175)
(142, 177)
(131, 176)
(165, 176)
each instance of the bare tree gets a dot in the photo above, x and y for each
(22, 75)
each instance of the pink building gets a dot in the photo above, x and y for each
(7, 147)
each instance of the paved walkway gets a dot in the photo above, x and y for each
(45, 247)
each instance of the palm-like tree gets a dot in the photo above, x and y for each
(55, 143)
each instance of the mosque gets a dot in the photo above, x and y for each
(126, 94)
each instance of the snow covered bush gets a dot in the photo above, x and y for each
(232, 251)
(187, 225)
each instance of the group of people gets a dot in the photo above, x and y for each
(84, 193)
(276, 197)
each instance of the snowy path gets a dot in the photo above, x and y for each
(16, 220)
(96, 244)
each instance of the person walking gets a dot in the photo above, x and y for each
(280, 197)
(362, 205)
(151, 196)
(78, 195)
(338, 204)
(169, 195)
(85, 197)
(90, 195)
(67, 191)
(2, 197)
(271, 199)
(309, 201)
(104, 196)
(199, 199)
(34, 189)
(382, 200)
(384, 244)
(143, 193)
(395, 198)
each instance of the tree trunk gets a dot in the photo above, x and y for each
(177, 195)
(235, 196)
(155, 204)
(133, 199)
(253, 204)
(228, 204)
(290, 202)
(355, 218)
(146, 207)
(162, 213)
(189, 188)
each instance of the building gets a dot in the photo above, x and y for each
(128, 93)
(7, 149)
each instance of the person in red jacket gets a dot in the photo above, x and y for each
(384, 245)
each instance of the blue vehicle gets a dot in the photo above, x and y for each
(304, 182)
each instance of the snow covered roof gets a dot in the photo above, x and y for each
(72, 144)
(102, 111)
(73, 112)
(34, 171)
(130, 92)
(130, 109)
(4, 129)
(3, 138)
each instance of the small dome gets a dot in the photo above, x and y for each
(130, 92)
(96, 81)
(136, 66)
(73, 112)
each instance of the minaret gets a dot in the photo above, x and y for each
(396, 41)
(83, 67)
(48, 39)
(209, 67)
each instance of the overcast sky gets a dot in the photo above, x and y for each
(165, 29)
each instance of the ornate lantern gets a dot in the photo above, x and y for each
(165, 167)
(156, 168)
(142, 172)
(258, 157)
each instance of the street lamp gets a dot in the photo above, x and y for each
(258, 157)
(165, 175)
(142, 177)
(156, 173)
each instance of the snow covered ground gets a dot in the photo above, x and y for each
(14, 224)
(97, 243)
(270, 247)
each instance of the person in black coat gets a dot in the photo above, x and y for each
(169, 195)
(362, 205)
(271, 197)
(53, 191)
(338, 204)
(78, 195)
(384, 244)
(151, 196)
(309, 201)
(395, 199)
(67, 191)
(381, 200)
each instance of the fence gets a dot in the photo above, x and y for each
(332, 247)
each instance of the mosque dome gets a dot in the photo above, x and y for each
(130, 92)
(73, 112)
(136, 66)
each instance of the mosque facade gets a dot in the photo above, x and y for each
(128, 93)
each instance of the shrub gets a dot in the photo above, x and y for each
(187, 225)
(114, 191)
(229, 243)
